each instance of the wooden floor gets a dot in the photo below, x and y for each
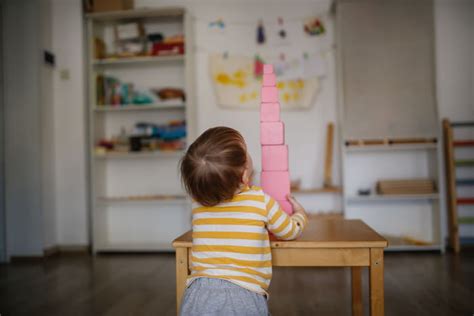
(415, 284)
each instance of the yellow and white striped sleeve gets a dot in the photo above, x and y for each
(281, 224)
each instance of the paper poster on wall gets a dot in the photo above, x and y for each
(313, 66)
(236, 85)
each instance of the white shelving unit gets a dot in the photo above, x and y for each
(136, 199)
(150, 107)
(401, 218)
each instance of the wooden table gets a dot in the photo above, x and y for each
(324, 243)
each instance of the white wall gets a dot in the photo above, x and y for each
(22, 55)
(305, 130)
(454, 29)
(69, 123)
(47, 132)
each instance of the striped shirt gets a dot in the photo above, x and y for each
(230, 240)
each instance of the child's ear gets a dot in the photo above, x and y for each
(246, 176)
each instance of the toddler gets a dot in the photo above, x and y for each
(231, 259)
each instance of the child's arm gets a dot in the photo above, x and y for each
(282, 225)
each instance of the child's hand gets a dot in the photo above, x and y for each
(297, 207)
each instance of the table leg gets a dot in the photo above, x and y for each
(181, 274)
(376, 282)
(356, 276)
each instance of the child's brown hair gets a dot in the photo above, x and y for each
(212, 168)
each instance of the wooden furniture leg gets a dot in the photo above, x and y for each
(356, 277)
(182, 269)
(328, 160)
(376, 282)
(453, 226)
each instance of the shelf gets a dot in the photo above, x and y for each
(152, 199)
(462, 124)
(396, 243)
(465, 201)
(464, 163)
(137, 247)
(393, 147)
(466, 241)
(381, 198)
(137, 60)
(136, 13)
(466, 220)
(151, 107)
(463, 143)
(465, 182)
(434, 247)
(336, 190)
(141, 154)
(128, 223)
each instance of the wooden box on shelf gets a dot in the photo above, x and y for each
(110, 5)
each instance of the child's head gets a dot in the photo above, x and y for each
(216, 166)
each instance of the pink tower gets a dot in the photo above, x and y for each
(275, 178)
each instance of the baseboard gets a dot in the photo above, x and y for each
(53, 251)
(18, 259)
(66, 249)
(74, 249)
(50, 251)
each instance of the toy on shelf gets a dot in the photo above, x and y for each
(146, 137)
(170, 94)
(130, 39)
(275, 177)
(405, 186)
(173, 45)
(112, 92)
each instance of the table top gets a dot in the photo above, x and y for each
(320, 233)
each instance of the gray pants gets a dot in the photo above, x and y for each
(207, 296)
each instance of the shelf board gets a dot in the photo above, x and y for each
(136, 13)
(432, 247)
(467, 220)
(391, 147)
(399, 243)
(151, 199)
(136, 60)
(464, 182)
(463, 143)
(141, 154)
(142, 107)
(466, 241)
(464, 163)
(381, 198)
(322, 190)
(465, 201)
(463, 124)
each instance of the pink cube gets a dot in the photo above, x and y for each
(270, 112)
(269, 80)
(286, 206)
(272, 133)
(267, 69)
(269, 94)
(276, 184)
(275, 158)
